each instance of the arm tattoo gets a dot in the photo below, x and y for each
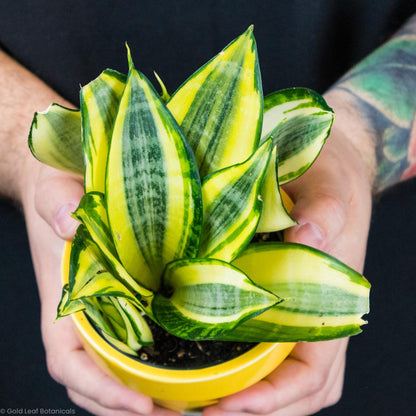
(384, 89)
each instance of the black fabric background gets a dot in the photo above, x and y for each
(301, 43)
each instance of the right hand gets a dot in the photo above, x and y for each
(332, 207)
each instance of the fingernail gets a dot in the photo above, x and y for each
(310, 234)
(65, 225)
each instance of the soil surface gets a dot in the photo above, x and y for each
(173, 352)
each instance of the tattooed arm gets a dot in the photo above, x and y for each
(382, 91)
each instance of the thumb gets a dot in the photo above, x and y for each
(320, 211)
(57, 195)
(332, 202)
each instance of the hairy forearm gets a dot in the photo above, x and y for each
(380, 93)
(21, 94)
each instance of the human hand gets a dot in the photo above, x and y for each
(48, 197)
(332, 207)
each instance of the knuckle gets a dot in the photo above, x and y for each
(265, 409)
(315, 403)
(73, 396)
(317, 383)
(111, 399)
(333, 206)
(53, 365)
(331, 213)
(322, 398)
(334, 397)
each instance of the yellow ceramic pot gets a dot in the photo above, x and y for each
(179, 389)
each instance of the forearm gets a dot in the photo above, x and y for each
(22, 93)
(375, 104)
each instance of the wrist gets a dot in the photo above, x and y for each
(22, 94)
(28, 175)
(356, 136)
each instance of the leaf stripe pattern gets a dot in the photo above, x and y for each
(55, 138)
(92, 213)
(232, 206)
(274, 215)
(324, 298)
(89, 273)
(222, 128)
(153, 189)
(207, 297)
(304, 121)
(99, 102)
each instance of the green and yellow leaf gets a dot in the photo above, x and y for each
(103, 284)
(164, 94)
(107, 308)
(205, 298)
(110, 313)
(138, 332)
(232, 206)
(219, 108)
(93, 311)
(324, 298)
(153, 189)
(55, 138)
(99, 102)
(84, 261)
(304, 121)
(94, 276)
(274, 215)
(120, 345)
(89, 276)
(67, 307)
(93, 214)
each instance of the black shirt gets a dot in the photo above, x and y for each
(300, 42)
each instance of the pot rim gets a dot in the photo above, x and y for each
(147, 370)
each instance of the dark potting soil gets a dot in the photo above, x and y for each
(173, 352)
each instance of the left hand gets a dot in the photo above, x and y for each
(332, 207)
(48, 197)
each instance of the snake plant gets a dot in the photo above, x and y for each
(176, 188)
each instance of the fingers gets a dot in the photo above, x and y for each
(56, 197)
(328, 395)
(69, 364)
(99, 410)
(311, 378)
(320, 215)
(321, 199)
(333, 204)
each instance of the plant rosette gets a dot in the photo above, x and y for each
(178, 389)
(177, 190)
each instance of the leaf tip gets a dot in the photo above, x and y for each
(165, 95)
(129, 58)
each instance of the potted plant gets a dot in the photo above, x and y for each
(180, 191)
